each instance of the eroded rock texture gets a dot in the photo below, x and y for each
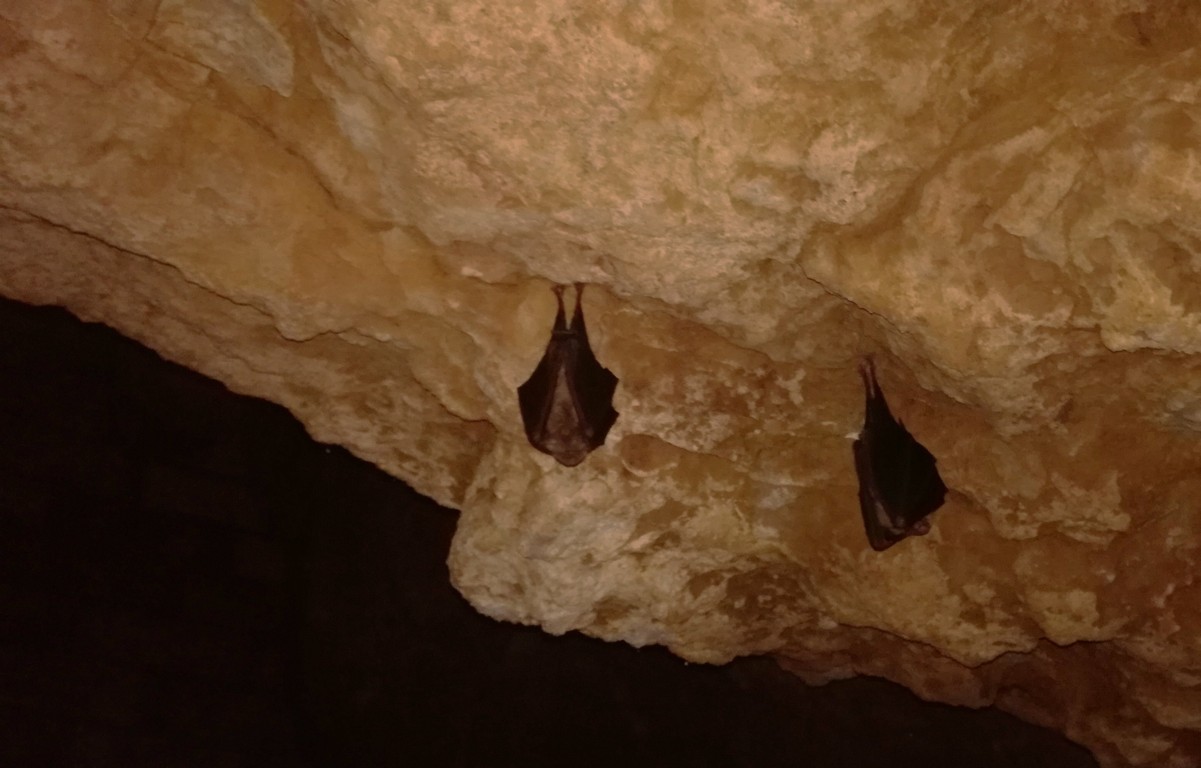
(356, 209)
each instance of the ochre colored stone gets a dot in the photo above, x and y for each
(356, 209)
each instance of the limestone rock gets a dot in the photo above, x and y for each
(356, 208)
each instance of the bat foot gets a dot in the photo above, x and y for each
(867, 371)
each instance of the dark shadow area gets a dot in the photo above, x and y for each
(187, 579)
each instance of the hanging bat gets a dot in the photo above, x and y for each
(899, 484)
(567, 403)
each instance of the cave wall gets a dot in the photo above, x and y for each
(356, 210)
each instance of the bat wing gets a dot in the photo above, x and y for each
(899, 484)
(567, 403)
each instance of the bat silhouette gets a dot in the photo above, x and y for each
(567, 403)
(899, 484)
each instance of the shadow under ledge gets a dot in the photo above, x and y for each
(187, 579)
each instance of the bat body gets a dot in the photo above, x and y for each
(899, 484)
(567, 403)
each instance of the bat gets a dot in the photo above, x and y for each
(899, 484)
(567, 403)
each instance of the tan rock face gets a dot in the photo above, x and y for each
(356, 209)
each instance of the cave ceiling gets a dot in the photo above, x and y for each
(359, 209)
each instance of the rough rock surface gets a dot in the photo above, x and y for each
(356, 208)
